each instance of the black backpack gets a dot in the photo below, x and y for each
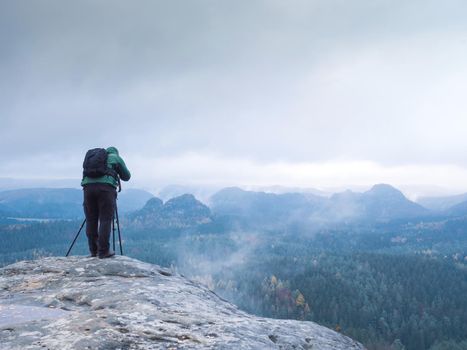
(95, 164)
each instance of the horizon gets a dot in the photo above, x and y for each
(204, 191)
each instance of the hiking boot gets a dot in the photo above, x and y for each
(93, 255)
(109, 254)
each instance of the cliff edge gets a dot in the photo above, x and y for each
(122, 303)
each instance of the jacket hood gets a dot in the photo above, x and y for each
(112, 150)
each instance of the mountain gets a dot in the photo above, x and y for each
(60, 203)
(381, 203)
(343, 206)
(261, 208)
(49, 203)
(121, 303)
(458, 209)
(180, 212)
(245, 208)
(441, 204)
(384, 202)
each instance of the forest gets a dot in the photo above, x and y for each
(390, 286)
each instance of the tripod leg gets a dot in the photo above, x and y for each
(76, 237)
(113, 232)
(118, 228)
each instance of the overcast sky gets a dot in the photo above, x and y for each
(310, 93)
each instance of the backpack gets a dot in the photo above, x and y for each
(95, 164)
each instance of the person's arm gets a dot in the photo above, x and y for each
(122, 170)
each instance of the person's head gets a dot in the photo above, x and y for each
(113, 150)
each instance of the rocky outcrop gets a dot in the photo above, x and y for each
(177, 213)
(121, 303)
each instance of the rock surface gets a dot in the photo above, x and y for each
(122, 303)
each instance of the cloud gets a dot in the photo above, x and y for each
(196, 169)
(263, 82)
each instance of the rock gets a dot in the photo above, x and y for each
(177, 213)
(121, 303)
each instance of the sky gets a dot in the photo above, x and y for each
(300, 93)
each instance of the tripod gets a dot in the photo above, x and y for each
(115, 219)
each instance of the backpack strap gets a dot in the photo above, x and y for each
(119, 184)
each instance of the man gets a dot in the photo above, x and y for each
(100, 183)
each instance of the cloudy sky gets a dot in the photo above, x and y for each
(303, 93)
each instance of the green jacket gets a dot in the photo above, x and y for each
(113, 161)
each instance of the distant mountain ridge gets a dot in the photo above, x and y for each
(381, 203)
(49, 203)
(261, 208)
(443, 203)
(384, 202)
(59, 203)
(458, 209)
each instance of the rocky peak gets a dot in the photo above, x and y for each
(179, 212)
(385, 191)
(153, 204)
(183, 201)
(121, 303)
(385, 202)
(186, 206)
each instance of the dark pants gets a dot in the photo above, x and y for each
(99, 208)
